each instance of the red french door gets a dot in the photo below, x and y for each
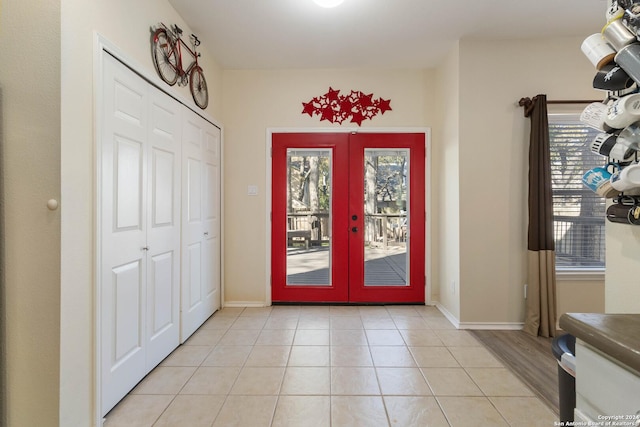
(348, 217)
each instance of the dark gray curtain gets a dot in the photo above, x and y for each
(540, 314)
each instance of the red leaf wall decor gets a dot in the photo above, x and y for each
(337, 108)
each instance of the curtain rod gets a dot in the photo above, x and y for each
(523, 101)
(527, 103)
(572, 101)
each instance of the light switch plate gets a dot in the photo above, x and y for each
(252, 190)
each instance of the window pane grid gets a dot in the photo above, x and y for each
(579, 213)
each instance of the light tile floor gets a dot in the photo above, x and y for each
(340, 366)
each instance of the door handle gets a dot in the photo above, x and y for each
(354, 229)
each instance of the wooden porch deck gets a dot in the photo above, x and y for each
(383, 267)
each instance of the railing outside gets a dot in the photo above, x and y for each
(317, 223)
(579, 241)
(388, 229)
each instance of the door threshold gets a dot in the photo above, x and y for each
(315, 303)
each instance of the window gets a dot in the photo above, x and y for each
(578, 213)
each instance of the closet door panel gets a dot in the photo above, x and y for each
(161, 272)
(194, 194)
(163, 189)
(127, 312)
(163, 230)
(128, 167)
(193, 297)
(201, 221)
(193, 285)
(211, 159)
(122, 233)
(210, 238)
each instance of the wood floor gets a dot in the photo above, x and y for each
(530, 358)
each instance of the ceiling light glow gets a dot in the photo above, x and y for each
(328, 3)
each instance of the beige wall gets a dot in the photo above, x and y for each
(30, 154)
(622, 290)
(126, 25)
(580, 296)
(446, 184)
(494, 75)
(257, 100)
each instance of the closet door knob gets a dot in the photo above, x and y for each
(145, 248)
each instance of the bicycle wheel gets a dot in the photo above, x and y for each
(198, 86)
(164, 56)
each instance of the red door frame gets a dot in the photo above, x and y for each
(347, 281)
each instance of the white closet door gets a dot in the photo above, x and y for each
(123, 258)
(163, 227)
(140, 229)
(200, 213)
(192, 310)
(211, 161)
(159, 227)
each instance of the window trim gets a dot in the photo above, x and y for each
(580, 274)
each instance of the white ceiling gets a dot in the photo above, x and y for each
(373, 33)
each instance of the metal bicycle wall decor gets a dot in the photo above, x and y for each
(166, 50)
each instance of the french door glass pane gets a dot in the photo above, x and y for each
(308, 217)
(386, 237)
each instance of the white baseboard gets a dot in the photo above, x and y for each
(506, 326)
(253, 304)
(497, 326)
(450, 317)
